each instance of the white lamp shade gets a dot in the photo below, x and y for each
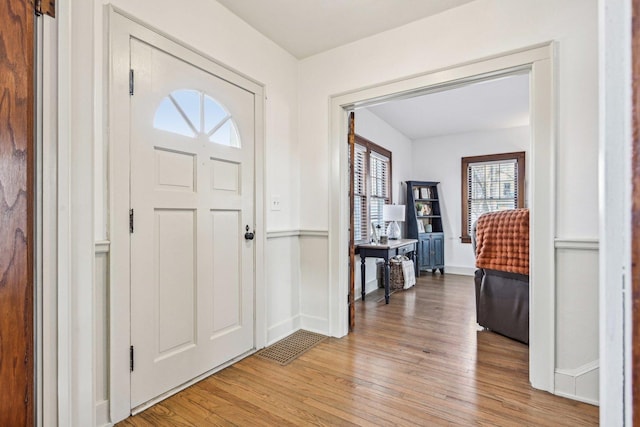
(393, 212)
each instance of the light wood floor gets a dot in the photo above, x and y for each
(418, 361)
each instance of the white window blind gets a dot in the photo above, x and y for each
(371, 183)
(379, 169)
(492, 186)
(360, 211)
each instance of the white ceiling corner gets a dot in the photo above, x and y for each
(308, 27)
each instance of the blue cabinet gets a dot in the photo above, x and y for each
(431, 252)
(424, 223)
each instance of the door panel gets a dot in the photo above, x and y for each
(425, 252)
(438, 249)
(175, 170)
(192, 292)
(176, 278)
(225, 176)
(227, 298)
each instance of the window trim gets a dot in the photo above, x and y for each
(518, 156)
(371, 146)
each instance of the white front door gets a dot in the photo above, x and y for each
(192, 196)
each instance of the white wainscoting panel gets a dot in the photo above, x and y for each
(283, 284)
(101, 328)
(314, 279)
(577, 319)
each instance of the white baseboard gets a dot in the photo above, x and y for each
(462, 271)
(577, 398)
(282, 329)
(581, 383)
(370, 286)
(102, 414)
(319, 325)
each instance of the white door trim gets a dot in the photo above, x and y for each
(540, 61)
(615, 181)
(121, 28)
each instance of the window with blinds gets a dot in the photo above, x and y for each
(490, 183)
(360, 211)
(372, 189)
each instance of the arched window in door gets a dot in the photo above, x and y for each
(194, 114)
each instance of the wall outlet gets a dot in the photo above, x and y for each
(276, 205)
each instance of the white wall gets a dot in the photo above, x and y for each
(478, 30)
(211, 29)
(438, 159)
(376, 130)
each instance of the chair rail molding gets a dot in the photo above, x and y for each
(102, 246)
(277, 234)
(590, 243)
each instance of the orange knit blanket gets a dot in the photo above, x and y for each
(502, 241)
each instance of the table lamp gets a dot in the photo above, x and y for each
(393, 213)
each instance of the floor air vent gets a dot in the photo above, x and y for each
(288, 349)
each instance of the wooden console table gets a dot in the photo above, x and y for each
(394, 247)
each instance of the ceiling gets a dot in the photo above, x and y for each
(493, 104)
(307, 27)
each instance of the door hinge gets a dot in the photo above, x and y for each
(131, 358)
(130, 220)
(131, 81)
(45, 7)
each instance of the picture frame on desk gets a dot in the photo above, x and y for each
(375, 237)
(420, 227)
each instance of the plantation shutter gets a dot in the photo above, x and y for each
(371, 187)
(492, 186)
(360, 194)
(379, 169)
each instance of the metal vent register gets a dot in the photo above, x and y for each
(290, 348)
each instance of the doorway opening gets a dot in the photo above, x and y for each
(537, 62)
(428, 134)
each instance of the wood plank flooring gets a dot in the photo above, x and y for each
(420, 360)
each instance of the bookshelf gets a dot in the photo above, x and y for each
(424, 223)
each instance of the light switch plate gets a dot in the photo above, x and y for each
(276, 205)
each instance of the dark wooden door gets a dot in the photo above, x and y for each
(16, 212)
(352, 245)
